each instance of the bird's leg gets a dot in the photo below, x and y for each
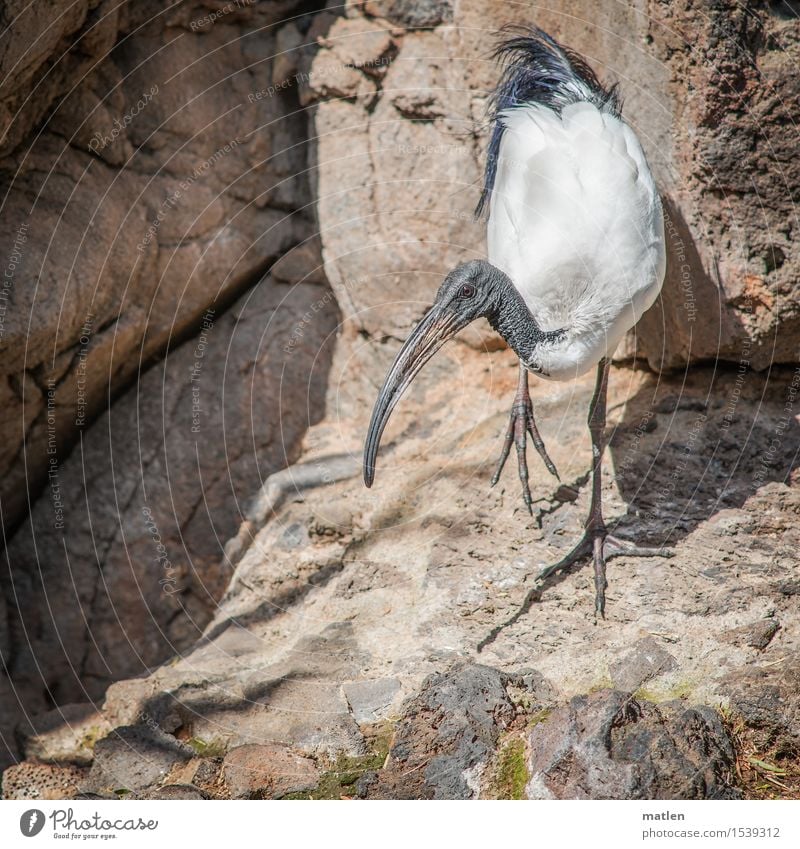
(596, 540)
(521, 421)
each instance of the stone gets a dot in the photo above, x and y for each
(133, 758)
(267, 772)
(358, 43)
(369, 700)
(757, 635)
(412, 14)
(150, 500)
(301, 264)
(647, 659)
(448, 732)
(203, 213)
(608, 745)
(768, 699)
(42, 781)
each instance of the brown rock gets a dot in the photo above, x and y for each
(42, 781)
(647, 659)
(202, 213)
(128, 566)
(267, 771)
(358, 43)
(757, 635)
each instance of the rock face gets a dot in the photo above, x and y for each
(151, 175)
(267, 772)
(126, 566)
(709, 90)
(161, 180)
(394, 641)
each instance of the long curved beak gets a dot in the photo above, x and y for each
(428, 336)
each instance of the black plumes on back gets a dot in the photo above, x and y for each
(537, 69)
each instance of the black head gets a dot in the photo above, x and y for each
(471, 290)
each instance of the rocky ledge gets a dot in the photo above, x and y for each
(393, 643)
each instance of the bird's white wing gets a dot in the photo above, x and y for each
(575, 221)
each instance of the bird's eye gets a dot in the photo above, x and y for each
(467, 290)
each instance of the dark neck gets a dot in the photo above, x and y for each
(514, 321)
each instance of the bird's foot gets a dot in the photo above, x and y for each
(521, 422)
(602, 546)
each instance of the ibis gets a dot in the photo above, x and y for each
(576, 254)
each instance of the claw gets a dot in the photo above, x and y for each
(601, 546)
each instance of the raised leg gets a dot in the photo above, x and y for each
(596, 541)
(521, 422)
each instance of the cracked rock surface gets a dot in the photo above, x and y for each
(390, 642)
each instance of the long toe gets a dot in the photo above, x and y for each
(616, 547)
(538, 444)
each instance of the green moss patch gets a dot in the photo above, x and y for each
(511, 771)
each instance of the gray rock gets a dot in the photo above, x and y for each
(134, 758)
(412, 14)
(768, 698)
(647, 659)
(448, 733)
(368, 700)
(608, 745)
(757, 635)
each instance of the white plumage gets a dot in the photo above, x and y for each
(575, 221)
